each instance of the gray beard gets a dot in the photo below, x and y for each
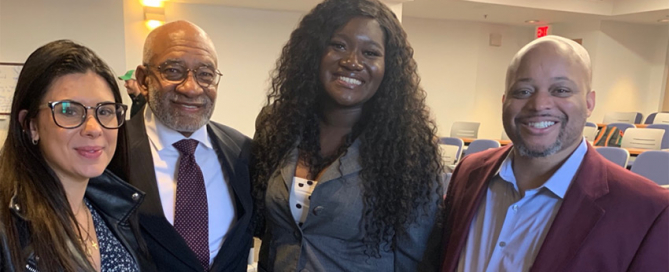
(554, 148)
(174, 120)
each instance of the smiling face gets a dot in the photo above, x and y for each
(353, 64)
(547, 100)
(83, 152)
(182, 106)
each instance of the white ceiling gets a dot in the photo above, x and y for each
(511, 12)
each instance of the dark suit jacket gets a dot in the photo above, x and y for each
(610, 219)
(167, 247)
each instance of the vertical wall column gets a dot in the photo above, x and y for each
(396, 6)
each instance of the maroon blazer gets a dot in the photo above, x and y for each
(610, 219)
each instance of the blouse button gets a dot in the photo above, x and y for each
(318, 209)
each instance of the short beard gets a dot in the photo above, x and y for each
(174, 120)
(525, 151)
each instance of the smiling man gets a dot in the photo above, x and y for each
(197, 210)
(550, 202)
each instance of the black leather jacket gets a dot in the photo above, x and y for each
(115, 200)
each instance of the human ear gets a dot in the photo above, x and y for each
(590, 102)
(142, 82)
(32, 126)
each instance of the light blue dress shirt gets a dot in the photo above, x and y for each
(508, 229)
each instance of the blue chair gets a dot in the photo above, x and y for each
(479, 145)
(661, 118)
(621, 126)
(616, 155)
(653, 165)
(650, 118)
(590, 124)
(451, 149)
(665, 138)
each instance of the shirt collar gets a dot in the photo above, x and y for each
(161, 136)
(559, 182)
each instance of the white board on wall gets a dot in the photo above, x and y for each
(9, 75)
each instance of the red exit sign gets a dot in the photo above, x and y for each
(542, 31)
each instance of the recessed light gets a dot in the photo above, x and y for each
(665, 20)
(532, 21)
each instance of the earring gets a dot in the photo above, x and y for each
(35, 141)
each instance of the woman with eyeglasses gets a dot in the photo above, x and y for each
(61, 211)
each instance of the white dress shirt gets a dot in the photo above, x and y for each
(508, 230)
(219, 193)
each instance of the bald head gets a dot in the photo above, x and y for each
(564, 48)
(548, 98)
(178, 33)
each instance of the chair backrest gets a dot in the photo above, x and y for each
(650, 118)
(646, 138)
(479, 145)
(465, 129)
(661, 118)
(622, 117)
(590, 133)
(653, 165)
(622, 126)
(504, 136)
(617, 155)
(451, 149)
(665, 138)
(591, 124)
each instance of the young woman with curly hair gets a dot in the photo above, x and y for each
(347, 171)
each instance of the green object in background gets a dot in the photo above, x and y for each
(127, 76)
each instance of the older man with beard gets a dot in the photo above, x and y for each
(197, 211)
(550, 202)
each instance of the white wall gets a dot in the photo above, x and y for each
(628, 64)
(463, 75)
(29, 24)
(248, 42)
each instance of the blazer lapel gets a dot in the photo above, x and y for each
(228, 153)
(142, 175)
(345, 165)
(288, 168)
(466, 205)
(577, 216)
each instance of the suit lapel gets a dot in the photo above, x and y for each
(228, 153)
(348, 164)
(467, 203)
(288, 168)
(142, 175)
(577, 216)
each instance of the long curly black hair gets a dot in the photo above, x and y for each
(399, 156)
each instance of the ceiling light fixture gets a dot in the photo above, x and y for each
(665, 20)
(532, 21)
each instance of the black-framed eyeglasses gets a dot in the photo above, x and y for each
(72, 114)
(177, 73)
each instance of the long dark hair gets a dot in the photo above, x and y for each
(26, 176)
(400, 159)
